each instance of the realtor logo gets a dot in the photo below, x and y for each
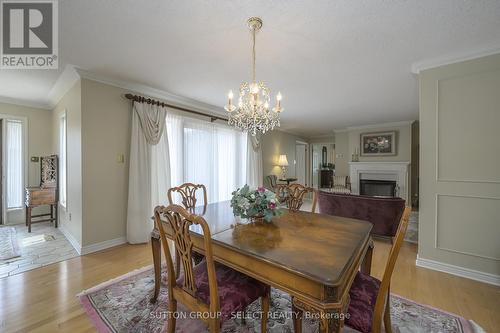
(29, 34)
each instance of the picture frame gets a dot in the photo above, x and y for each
(378, 143)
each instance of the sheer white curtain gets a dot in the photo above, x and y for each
(254, 173)
(149, 170)
(206, 153)
(14, 167)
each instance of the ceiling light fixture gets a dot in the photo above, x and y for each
(252, 113)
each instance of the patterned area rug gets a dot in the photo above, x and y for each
(9, 248)
(122, 305)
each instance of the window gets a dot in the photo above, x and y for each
(62, 161)
(14, 168)
(206, 153)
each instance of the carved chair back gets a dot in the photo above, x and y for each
(178, 220)
(187, 191)
(49, 171)
(273, 181)
(294, 195)
(383, 297)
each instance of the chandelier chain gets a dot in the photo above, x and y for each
(253, 55)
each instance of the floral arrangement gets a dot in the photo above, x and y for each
(255, 203)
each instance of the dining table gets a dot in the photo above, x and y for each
(313, 257)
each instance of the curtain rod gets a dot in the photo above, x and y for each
(142, 99)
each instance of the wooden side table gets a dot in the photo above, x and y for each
(288, 180)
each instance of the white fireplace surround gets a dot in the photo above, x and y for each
(394, 171)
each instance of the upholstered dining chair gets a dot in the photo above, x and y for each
(209, 287)
(370, 298)
(294, 195)
(187, 191)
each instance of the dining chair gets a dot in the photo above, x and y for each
(369, 297)
(294, 196)
(209, 288)
(187, 191)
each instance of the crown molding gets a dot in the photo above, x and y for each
(379, 125)
(174, 99)
(22, 102)
(63, 84)
(417, 67)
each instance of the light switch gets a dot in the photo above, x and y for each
(120, 158)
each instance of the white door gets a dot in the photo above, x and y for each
(300, 163)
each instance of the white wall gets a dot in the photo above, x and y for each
(459, 225)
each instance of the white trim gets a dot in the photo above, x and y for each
(71, 239)
(458, 271)
(417, 67)
(103, 245)
(153, 92)
(64, 83)
(379, 125)
(23, 102)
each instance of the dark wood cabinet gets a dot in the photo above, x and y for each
(326, 178)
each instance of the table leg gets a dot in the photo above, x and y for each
(28, 215)
(156, 248)
(297, 318)
(366, 265)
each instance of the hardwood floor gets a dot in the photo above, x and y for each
(44, 300)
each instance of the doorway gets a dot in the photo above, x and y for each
(322, 161)
(300, 162)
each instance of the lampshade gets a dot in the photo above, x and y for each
(282, 161)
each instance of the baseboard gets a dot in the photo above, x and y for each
(72, 240)
(103, 245)
(459, 271)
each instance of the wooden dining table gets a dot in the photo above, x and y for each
(313, 257)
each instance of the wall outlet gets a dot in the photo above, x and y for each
(69, 216)
(35, 159)
(120, 158)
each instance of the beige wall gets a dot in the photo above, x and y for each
(277, 143)
(347, 141)
(106, 125)
(71, 217)
(39, 144)
(459, 221)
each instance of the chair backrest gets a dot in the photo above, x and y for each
(340, 181)
(187, 192)
(178, 220)
(294, 195)
(272, 181)
(383, 213)
(389, 268)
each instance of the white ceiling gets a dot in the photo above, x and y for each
(337, 63)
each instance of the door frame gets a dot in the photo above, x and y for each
(306, 159)
(311, 157)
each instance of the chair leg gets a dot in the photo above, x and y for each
(387, 313)
(265, 310)
(172, 307)
(297, 318)
(156, 249)
(213, 326)
(28, 212)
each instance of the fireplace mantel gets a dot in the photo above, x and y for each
(397, 171)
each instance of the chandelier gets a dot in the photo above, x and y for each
(252, 112)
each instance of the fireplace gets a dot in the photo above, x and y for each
(379, 188)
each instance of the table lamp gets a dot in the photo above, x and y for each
(283, 163)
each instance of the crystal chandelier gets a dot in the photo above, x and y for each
(252, 113)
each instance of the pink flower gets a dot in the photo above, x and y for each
(271, 205)
(261, 189)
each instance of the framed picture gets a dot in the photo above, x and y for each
(378, 144)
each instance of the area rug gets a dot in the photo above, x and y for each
(9, 248)
(122, 305)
